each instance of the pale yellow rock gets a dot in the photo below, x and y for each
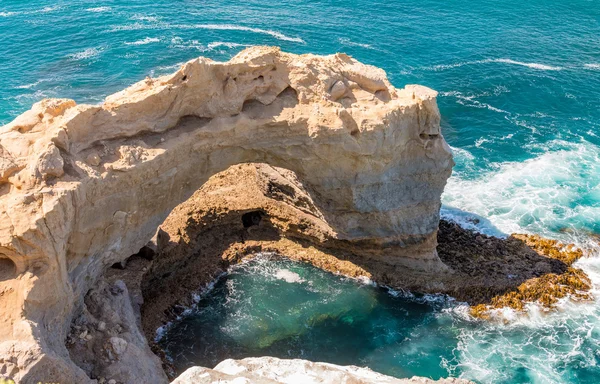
(271, 370)
(85, 186)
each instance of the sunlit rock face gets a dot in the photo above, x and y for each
(270, 370)
(85, 186)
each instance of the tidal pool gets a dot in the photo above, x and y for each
(271, 306)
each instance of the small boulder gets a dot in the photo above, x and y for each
(50, 163)
(338, 90)
(93, 159)
(116, 346)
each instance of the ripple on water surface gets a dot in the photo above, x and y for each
(521, 110)
(276, 307)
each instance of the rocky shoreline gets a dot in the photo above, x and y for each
(205, 235)
(354, 187)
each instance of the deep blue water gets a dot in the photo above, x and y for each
(519, 85)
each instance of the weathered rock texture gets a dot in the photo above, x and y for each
(270, 370)
(207, 233)
(83, 186)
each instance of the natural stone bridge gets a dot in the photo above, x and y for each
(83, 186)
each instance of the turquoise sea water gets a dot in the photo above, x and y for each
(519, 85)
(276, 307)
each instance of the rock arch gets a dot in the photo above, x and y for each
(83, 186)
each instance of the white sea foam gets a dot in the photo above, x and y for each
(28, 98)
(217, 44)
(470, 101)
(179, 43)
(232, 27)
(154, 23)
(482, 140)
(540, 341)
(86, 54)
(196, 297)
(169, 68)
(346, 41)
(470, 221)
(99, 9)
(147, 40)
(50, 9)
(592, 66)
(543, 67)
(144, 18)
(32, 85)
(43, 10)
(288, 276)
(535, 195)
(131, 27)
(462, 153)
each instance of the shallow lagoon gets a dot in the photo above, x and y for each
(275, 307)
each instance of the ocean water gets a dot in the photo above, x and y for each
(519, 87)
(276, 307)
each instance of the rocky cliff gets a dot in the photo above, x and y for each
(85, 186)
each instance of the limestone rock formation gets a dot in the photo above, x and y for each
(84, 186)
(207, 233)
(270, 370)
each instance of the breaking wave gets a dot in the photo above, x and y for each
(554, 194)
(147, 40)
(471, 101)
(218, 27)
(217, 44)
(346, 41)
(99, 9)
(86, 54)
(232, 27)
(538, 66)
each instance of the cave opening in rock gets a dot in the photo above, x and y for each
(252, 218)
(8, 269)
(115, 171)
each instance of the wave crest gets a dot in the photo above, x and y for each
(538, 66)
(219, 27)
(99, 9)
(86, 54)
(346, 41)
(542, 195)
(147, 40)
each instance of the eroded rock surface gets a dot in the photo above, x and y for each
(270, 370)
(84, 186)
(106, 341)
(205, 234)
